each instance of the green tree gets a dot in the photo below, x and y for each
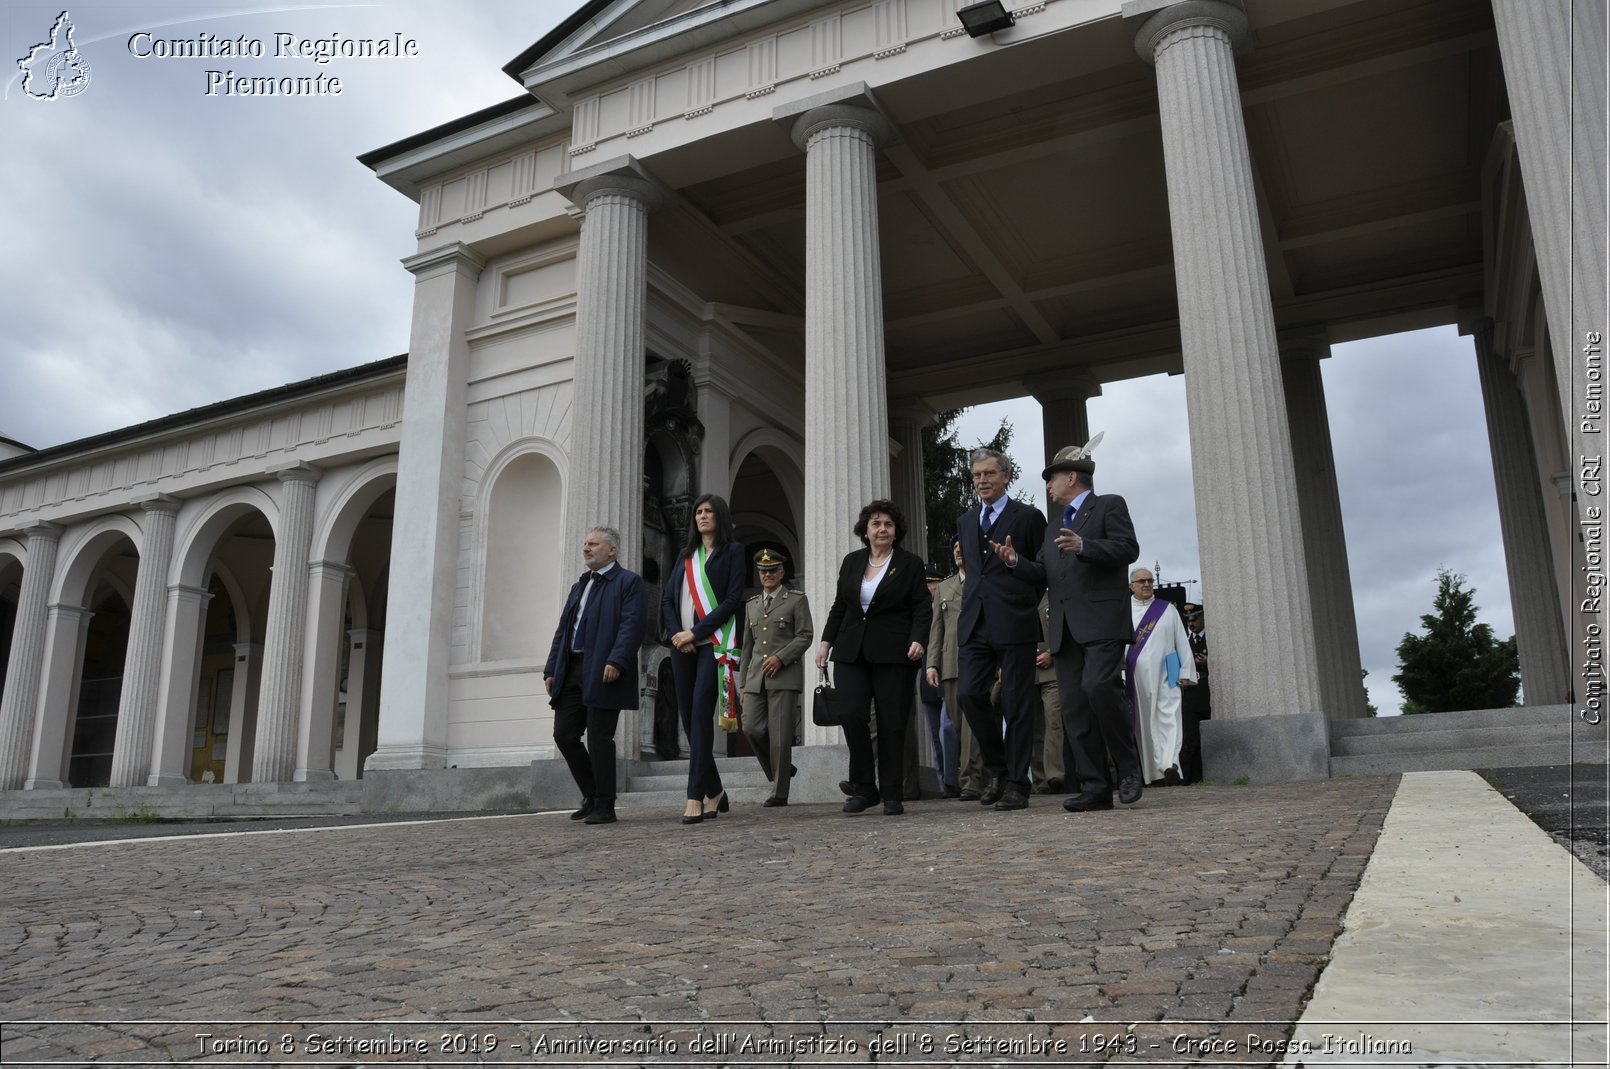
(1457, 663)
(948, 478)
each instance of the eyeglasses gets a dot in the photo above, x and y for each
(1142, 582)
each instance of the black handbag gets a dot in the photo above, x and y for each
(827, 708)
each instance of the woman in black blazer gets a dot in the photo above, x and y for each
(700, 618)
(875, 634)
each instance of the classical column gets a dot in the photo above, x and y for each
(605, 484)
(26, 664)
(142, 664)
(1064, 412)
(186, 633)
(1330, 584)
(274, 749)
(1251, 541)
(1553, 55)
(715, 448)
(1528, 556)
(327, 606)
(906, 423)
(363, 699)
(425, 533)
(65, 628)
(846, 392)
(243, 702)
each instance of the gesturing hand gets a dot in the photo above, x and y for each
(1005, 551)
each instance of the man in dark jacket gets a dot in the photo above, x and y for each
(591, 674)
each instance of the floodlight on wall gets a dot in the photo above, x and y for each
(987, 17)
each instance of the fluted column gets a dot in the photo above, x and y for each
(243, 710)
(324, 641)
(274, 749)
(846, 392)
(142, 664)
(1554, 62)
(26, 664)
(605, 485)
(1251, 541)
(910, 487)
(363, 698)
(1330, 583)
(186, 632)
(425, 534)
(65, 628)
(1528, 554)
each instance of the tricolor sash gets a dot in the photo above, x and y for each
(724, 639)
(1143, 631)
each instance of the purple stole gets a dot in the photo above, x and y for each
(1148, 624)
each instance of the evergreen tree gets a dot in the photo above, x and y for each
(1456, 663)
(948, 479)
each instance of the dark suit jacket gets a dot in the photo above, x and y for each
(1089, 590)
(611, 632)
(727, 568)
(995, 604)
(900, 613)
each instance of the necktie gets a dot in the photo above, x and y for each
(1067, 516)
(766, 605)
(983, 519)
(587, 579)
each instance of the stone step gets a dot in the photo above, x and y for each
(193, 801)
(1538, 715)
(1485, 738)
(1381, 764)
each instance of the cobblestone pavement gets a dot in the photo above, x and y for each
(769, 935)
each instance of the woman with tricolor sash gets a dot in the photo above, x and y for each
(703, 594)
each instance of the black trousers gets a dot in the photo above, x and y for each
(592, 766)
(1093, 722)
(695, 677)
(890, 689)
(1006, 759)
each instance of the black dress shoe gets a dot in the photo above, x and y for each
(720, 807)
(601, 814)
(1055, 786)
(1011, 798)
(586, 807)
(950, 792)
(1087, 803)
(847, 787)
(697, 818)
(892, 808)
(969, 795)
(773, 801)
(856, 804)
(992, 792)
(1129, 790)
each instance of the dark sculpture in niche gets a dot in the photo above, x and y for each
(673, 436)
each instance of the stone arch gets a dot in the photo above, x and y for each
(780, 453)
(198, 540)
(519, 540)
(332, 538)
(82, 552)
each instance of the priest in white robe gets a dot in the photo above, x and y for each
(1158, 664)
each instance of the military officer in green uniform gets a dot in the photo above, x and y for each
(777, 629)
(1045, 760)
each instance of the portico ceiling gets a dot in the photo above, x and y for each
(1024, 213)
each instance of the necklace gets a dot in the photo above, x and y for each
(872, 564)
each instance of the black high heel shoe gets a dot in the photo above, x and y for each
(721, 807)
(694, 818)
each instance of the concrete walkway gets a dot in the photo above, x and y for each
(1474, 939)
(1187, 930)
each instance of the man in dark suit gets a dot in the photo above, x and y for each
(1195, 702)
(1086, 570)
(999, 626)
(591, 674)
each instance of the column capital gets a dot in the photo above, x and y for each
(1077, 385)
(329, 569)
(623, 176)
(1298, 343)
(918, 413)
(63, 611)
(181, 592)
(1160, 18)
(298, 473)
(248, 649)
(41, 531)
(440, 261)
(158, 503)
(851, 106)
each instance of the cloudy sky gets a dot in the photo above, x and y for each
(170, 248)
